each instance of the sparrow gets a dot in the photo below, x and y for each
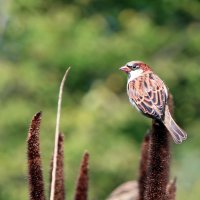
(148, 93)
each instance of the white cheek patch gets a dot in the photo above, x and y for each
(134, 74)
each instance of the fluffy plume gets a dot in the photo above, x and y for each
(36, 183)
(82, 183)
(143, 166)
(171, 190)
(59, 183)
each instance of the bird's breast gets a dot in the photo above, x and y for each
(133, 104)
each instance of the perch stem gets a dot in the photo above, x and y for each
(158, 160)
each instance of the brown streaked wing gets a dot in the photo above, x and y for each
(148, 93)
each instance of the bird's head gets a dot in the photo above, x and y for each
(135, 67)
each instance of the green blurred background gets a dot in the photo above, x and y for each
(40, 39)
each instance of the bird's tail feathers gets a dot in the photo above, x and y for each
(176, 132)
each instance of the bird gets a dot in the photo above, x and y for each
(149, 95)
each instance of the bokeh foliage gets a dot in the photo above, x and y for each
(40, 39)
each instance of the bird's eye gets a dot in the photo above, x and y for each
(132, 66)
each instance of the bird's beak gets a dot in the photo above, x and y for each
(125, 69)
